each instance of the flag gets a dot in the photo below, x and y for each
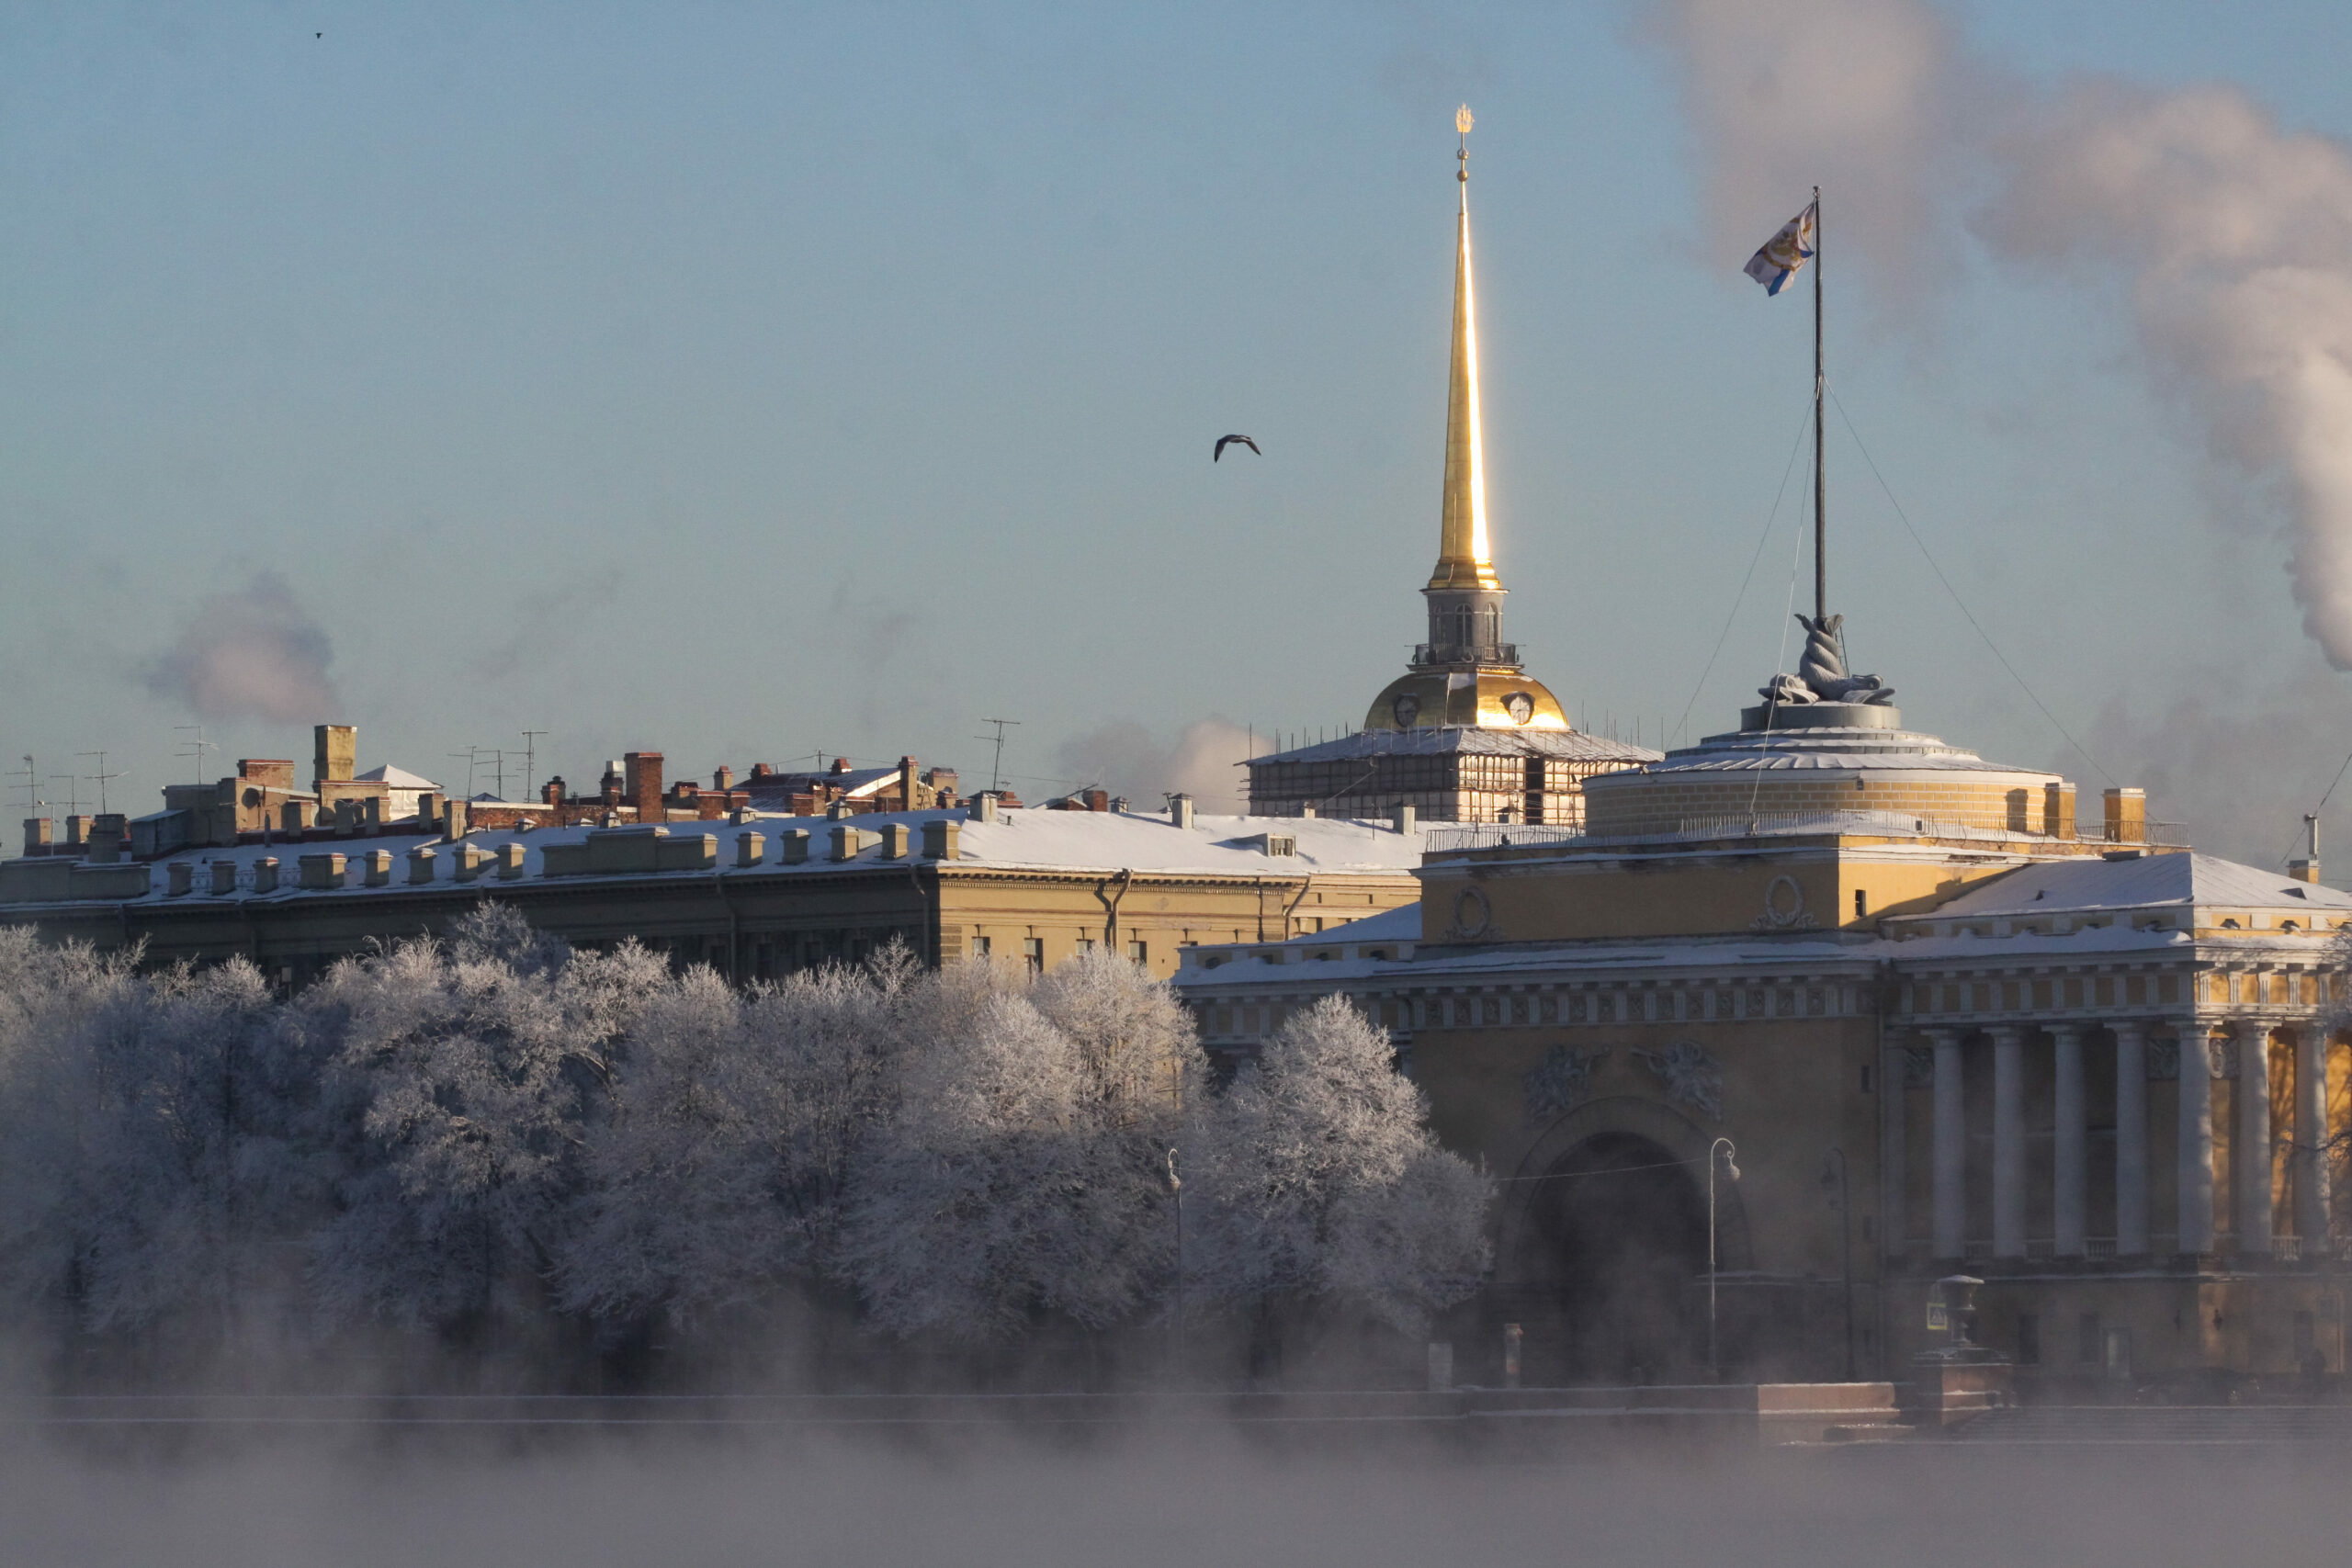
(1784, 254)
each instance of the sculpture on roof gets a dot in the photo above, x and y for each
(1821, 674)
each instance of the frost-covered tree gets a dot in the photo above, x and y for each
(151, 1147)
(719, 1177)
(1009, 1187)
(200, 1180)
(1137, 1045)
(56, 1006)
(467, 1076)
(1318, 1179)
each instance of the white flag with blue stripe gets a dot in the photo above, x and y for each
(1784, 254)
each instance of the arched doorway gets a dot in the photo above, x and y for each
(1615, 1234)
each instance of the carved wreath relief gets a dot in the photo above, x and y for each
(1474, 917)
(1785, 908)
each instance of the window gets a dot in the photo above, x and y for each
(1138, 952)
(2086, 1339)
(1033, 950)
(979, 948)
(1861, 900)
(1866, 1078)
(2028, 1339)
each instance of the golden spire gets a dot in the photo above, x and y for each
(1464, 559)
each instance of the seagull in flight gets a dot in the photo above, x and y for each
(1225, 441)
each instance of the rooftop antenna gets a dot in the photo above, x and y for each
(470, 753)
(72, 793)
(195, 749)
(32, 787)
(101, 778)
(996, 770)
(530, 758)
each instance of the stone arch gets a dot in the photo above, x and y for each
(1682, 1138)
(1601, 1250)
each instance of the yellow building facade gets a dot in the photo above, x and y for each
(1936, 1024)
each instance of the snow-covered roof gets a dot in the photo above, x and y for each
(855, 783)
(2139, 882)
(1402, 923)
(1569, 745)
(1843, 749)
(1101, 842)
(396, 778)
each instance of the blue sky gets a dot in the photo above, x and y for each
(747, 382)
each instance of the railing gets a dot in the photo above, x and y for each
(1465, 653)
(1495, 836)
(1773, 824)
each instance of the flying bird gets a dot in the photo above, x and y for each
(1225, 441)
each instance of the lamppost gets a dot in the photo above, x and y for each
(1724, 1147)
(1176, 1317)
(1833, 1174)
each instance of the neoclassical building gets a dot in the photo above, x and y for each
(1935, 1020)
(1466, 734)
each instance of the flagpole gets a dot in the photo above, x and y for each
(1820, 485)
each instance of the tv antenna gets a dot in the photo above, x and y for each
(32, 787)
(101, 778)
(72, 793)
(530, 758)
(996, 770)
(196, 747)
(470, 754)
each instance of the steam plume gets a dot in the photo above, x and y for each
(1127, 759)
(2234, 236)
(254, 653)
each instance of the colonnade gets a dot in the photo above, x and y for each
(2202, 1059)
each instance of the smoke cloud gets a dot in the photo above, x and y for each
(254, 653)
(2232, 236)
(1125, 757)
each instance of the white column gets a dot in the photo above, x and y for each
(1951, 1147)
(2069, 1158)
(2009, 1140)
(2130, 1139)
(1893, 1158)
(2196, 1138)
(2254, 1191)
(2309, 1164)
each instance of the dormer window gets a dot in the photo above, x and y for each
(2229, 925)
(2288, 926)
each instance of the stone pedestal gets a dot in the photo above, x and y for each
(1947, 1387)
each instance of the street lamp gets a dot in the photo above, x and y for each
(1833, 1174)
(1176, 1317)
(1724, 1147)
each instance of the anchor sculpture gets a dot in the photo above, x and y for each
(1821, 674)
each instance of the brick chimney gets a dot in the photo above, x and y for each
(2126, 811)
(906, 784)
(334, 753)
(643, 785)
(552, 791)
(1097, 800)
(722, 778)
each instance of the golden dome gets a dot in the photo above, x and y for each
(1482, 699)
